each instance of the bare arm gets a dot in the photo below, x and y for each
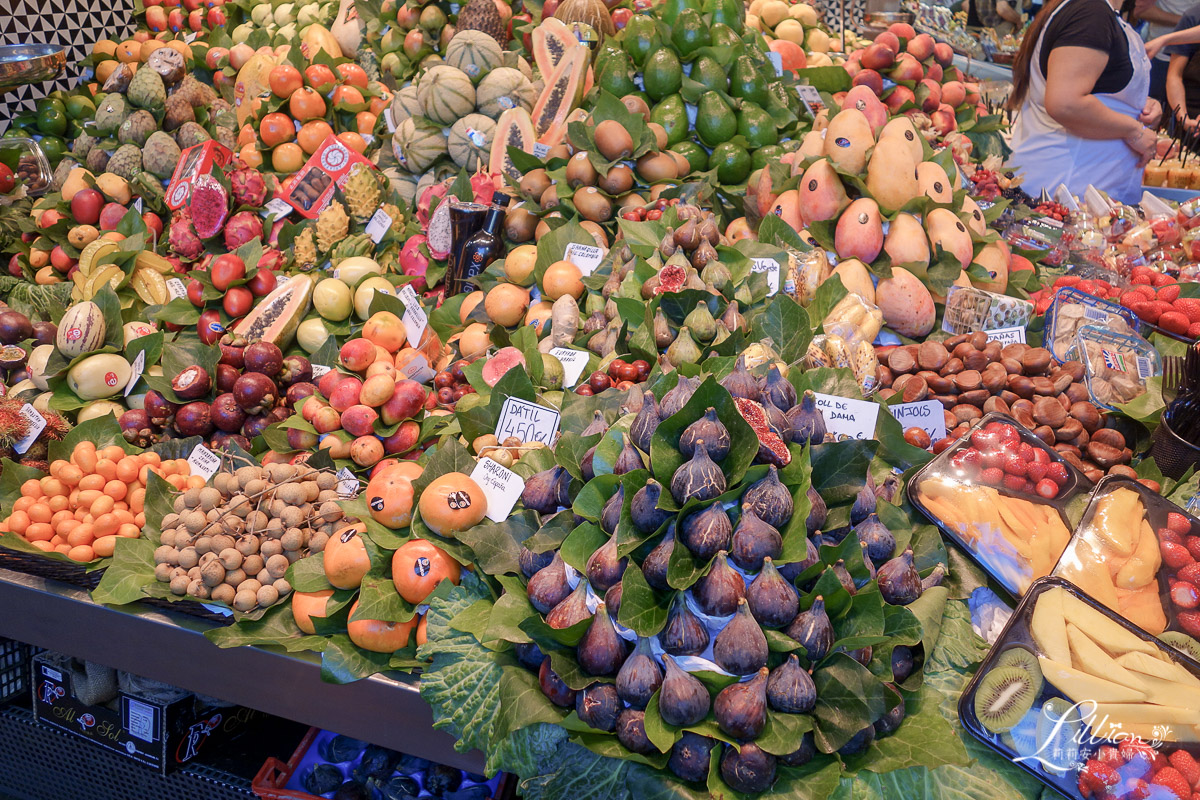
(1176, 97)
(1071, 74)
(1007, 12)
(1157, 15)
(1185, 36)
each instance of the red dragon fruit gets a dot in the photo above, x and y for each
(276, 229)
(414, 261)
(484, 186)
(439, 236)
(244, 226)
(248, 187)
(431, 194)
(271, 259)
(183, 237)
(208, 205)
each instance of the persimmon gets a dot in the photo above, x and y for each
(306, 605)
(418, 566)
(306, 104)
(320, 77)
(353, 74)
(284, 80)
(451, 503)
(275, 129)
(287, 157)
(421, 630)
(365, 122)
(379, 636)
(345, 557)
(390, 497)
(346, 95)
(246, 135)
(250, 156)
(311, 134)
(355, 142)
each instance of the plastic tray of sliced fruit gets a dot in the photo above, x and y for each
(1133, 552)
(1087, 702)
(1001, 494)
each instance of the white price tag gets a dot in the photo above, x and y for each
(190, 37)
(574, 363)
(387, 118)
(414, 316)
(138, 367)
(769, 266)
(419, 370)
(585, 256)
(1007, 336)
(378, 225)
(276, 209)
(137, 205)
(37, 424)
(848, 419)
(319, 370)
(347, 483)
(502, 487)
(928, 415)
(204, 462)
(527, 421)
(776, 60)
(811, 98)
(175, 288)
(369, 138)
(540, 149)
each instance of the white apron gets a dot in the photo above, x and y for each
(1047, 155)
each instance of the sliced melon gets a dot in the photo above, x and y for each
(561, 95)
(1148, 665)
(1172, 693)
(1116, 637)
(1081, 687)
(514, 129)
(1145, 714)
(277, 315)
(1091, 659)
(1049, 627)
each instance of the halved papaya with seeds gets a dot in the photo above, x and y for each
(513, 129)
(552, 40)
(562, 93)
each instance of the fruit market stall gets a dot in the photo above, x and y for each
(631, 398)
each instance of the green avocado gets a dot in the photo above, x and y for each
(707, 71)
(689, 33)
(715, 120)
(671, 113)
(662, 73)
(756, 125)
(641, 38)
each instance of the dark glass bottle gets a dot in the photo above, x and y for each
(482, 248)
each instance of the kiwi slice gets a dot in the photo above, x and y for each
(1003, 697)
(1058, 725)
(1025, 660)
(1183, 642)
(1022, 739)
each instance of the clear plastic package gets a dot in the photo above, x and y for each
(1117, 365)
(31, 167)
(1071, 309)
(854, 319)
(969, 309)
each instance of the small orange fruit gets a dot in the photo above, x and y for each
(377, 635)
(419, 566)
(306, 104)
(345, 557)
(451, 503)
(312, 133)
(276, 128)
(284, 80)
(287, 157)
(306, 605)
(390, 497)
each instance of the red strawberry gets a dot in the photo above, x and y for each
(1189, 306)
(1141, 274)
(1162, 307)
(1130, 296)
(1192, 543)
(1190, 573)
(1035, 471)
(1174, 322)
(1146, 310)
(1178, 522)
(1133, 789)
(1068, 280)
(1168, 535)
(1185, 595)
(1139, 751)
(1161, 279)
(1189, 621)
(1194, 330)
(1176, 555)
(1183, 761)
(1107, 754)
(1015, 483)
(1173, 780)
(1096, 777)
(1169, 292)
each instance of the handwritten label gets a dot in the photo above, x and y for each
(204, 462)
(319, 370)
(1007, 336)
(379, 224)
(276, 209)
(502, 487)
(540, 149)
(527, 421)
(138, 367)
(776, 60)
(771, 267)
(175, 288)
(848, 419)
(414, 316)
(574, 362)
(419, 370)
(928, 415)
(347, 486)
(37, 424)
(586, 257)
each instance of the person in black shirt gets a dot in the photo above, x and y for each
(1183, 72)
(1081, 83)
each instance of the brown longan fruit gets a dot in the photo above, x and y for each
(188, 557)
(170, 521)
(231, 558)
(223, 594)
(327, 481)
(247, 545)
(267, 595)
(253, 563)
(292, 540)
(249, 585)
(235, 577)
(179, 585)
(283, 587)
(162, 572)
(194, 521)
(245, 600)
(213, 572)
(163, 554)
(271, 547)
(277, 566)
(198, 590)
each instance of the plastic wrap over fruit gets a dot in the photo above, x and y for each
(854, 319)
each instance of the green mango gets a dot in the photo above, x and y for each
(671, 113)
(707, 71)
(662, 73)
(756, 125)
(746, 82)
(715, 120)
(689, 33)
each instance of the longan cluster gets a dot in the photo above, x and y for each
(233, 541)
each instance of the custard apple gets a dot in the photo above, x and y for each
(136, 128)
(147, 89)
(83, 146)
(126, 162)
(160, 155)
(110, 114)
(179, 111)
(97, 160)
(191, 134)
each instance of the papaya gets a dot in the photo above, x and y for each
(561, 95)
(551, 40)
(513, 129)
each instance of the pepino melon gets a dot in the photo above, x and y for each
(473, 52)
(514, 129)
(470, 140)
(418, 143)
(446, 94)
(502, 89)
(561, 95)
(551, 40)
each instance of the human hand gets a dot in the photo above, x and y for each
(1155, 46)
(1151, 113)
(1144, 143)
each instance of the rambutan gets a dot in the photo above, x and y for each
(56, 426)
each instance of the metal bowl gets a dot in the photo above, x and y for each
(22, 64)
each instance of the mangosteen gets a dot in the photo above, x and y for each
(255, 392)
(191, 383)
(12, 357)
(226, 414)
(136, 427)
(221, 440)
(296, 369)
(194, 419)
(231, 350)
(279, 413)
(254, 426)
(17, 375)
(226, 377)
(45, 332)
(299, 391)
(161, 410)
(264, 357)
(15, 327)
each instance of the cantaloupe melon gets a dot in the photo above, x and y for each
(446, 94)
(418, 143)
(473, 52)
(502, 89)
(470, 140)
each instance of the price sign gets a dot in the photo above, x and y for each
(540, 149)
(204, 462)
(175, 288)
(414, 316)
(36, 423)
(138, 367)
(276, 209)
(419, 370)
(137, 205)
(811, 98)
(1007, 336)
(378, 225)
(771, 267)
(776, 60)
(527, 421)
(586, 257)
(347, 483)
(848, 419)
(928, 415)
(501, 486)
(574, 362)
(319, 370)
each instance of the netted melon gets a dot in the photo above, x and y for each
(471, 140)
(446, 94)
(475, 53)
(502, 89)
(405, 104)
(418, 143)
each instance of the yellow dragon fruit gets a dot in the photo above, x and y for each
(332, 226)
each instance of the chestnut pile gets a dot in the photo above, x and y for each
(255, 386)
(719, 622)
(233, 541)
